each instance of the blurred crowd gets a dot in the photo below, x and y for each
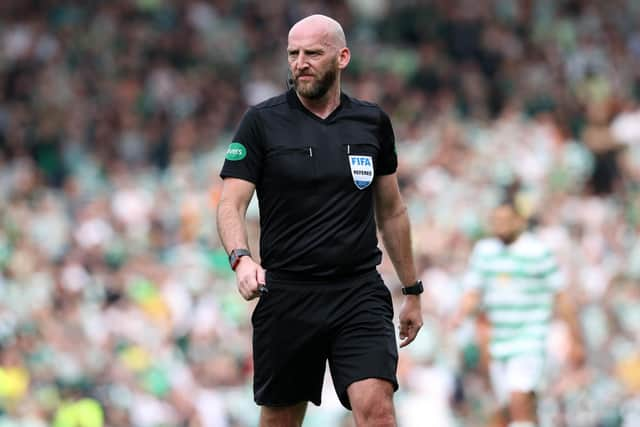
(117, 305)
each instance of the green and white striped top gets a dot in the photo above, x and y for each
(518, 283)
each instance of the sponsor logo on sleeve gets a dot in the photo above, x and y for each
(361, 170)
(236, 151)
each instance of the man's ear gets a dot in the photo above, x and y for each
(344, 56)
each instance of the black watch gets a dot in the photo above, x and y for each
(415, 289)
(235, 255)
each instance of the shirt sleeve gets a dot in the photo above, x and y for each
(244, 156)
(388, 160)
(555, 277)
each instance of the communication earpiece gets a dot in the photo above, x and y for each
(289, 79)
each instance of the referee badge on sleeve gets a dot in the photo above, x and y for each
(361, 170)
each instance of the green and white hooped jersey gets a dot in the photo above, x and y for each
(518, 283)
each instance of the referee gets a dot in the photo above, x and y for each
(323, 166)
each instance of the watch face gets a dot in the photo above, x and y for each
(233, 259)
(234, 256)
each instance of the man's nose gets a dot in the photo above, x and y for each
(301, 62)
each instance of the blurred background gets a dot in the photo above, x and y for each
(117, 305)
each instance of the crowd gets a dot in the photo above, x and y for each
(117, 305)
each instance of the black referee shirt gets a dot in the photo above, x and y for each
(314, 180)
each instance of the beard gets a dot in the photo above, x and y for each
(316, 89)
(508, 238)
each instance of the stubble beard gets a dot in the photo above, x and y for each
(509, 238)
(316, 89)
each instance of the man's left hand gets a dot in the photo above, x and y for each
(410, 319)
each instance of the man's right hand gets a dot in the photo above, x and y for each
(249, 278)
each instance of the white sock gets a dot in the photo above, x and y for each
(522, 424)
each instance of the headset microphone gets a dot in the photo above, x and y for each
(289, 79)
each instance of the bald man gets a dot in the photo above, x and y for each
(323, 166)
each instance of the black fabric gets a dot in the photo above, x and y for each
(313, 218)
(297, 329)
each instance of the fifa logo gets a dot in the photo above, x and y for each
(360, 161)
(361, 170)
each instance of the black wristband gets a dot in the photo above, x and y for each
(235, 255)
(415, 289)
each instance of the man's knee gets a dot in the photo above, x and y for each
(372, 402)
(286, 416)
(522, 406)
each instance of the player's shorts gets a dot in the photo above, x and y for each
(516, 374)
(298, 327)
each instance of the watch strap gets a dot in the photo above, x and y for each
(235, 255)
(415, 289)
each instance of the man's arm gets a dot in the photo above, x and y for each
(393, 223)
(232, 209)
(565, 309)
(469, 305)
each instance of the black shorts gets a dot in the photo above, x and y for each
(298, 327)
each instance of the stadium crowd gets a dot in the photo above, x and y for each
(117, 305)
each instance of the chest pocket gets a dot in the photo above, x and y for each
(291, 167)
(361, 159)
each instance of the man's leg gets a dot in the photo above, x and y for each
(285, 416)
(524, 377)
(522, 409)
(289, 353)
(372, 403)
(498, 376)
(499, 418)
(363, 355)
